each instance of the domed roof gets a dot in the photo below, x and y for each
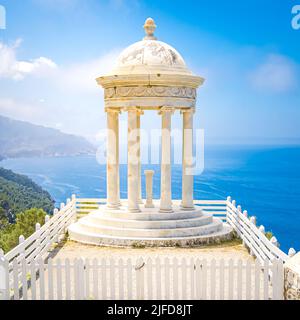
(150, 62)
(155, 55)
(151, 53)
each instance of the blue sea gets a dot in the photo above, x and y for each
(263, 180)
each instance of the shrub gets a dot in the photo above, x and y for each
(25, 225)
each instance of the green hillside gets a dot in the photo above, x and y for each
(22, 204)
(19, 193)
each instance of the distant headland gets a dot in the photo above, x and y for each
(24, 139)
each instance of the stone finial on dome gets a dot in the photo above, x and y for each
(150, 27)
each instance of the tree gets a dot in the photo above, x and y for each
(25, 225)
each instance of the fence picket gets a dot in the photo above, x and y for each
(175, 279)
(257, 279)
(137, 276)
(68, 279)
(222, 280)
(158, 278)
(192, 276)
(273, 279)
(240, 280)
(24, 279)
(16, 280)
(95, 278)
(121, 279)
(81, 277)
(248, 280)
(149, 279)
(129, 279)
(75, 276)
(280, 279)
(41, 278)
(104, 279)
(204, 280)
(213, 279)
(50, 280)
(142, 281)
(184, 295)
(87, 279)
(59, 279)
(33, 279)
(112, 279)
(266, 280)
(5, 285)
(167, 278)
(198, 279)
(230, 279)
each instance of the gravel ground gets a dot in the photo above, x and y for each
(72, 250)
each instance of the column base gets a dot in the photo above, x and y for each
(134, 210)
(149, 205)
(114, 206)
(166, 210)
(184, 208)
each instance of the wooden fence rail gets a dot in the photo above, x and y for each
(110, 279)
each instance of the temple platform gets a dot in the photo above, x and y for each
(149, 228)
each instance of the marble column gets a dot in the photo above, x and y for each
(139, 157)
(113, 189)
(133, 159)
(149, 188)
(187, 160)
(165, 185)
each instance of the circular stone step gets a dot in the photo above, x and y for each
(148, 228)
(100, 219)
(225, 234)
(151, 214)
(86, 225)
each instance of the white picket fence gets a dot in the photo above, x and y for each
(40, 243)
(253, 237)
(156, 279)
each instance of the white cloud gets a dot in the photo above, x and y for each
(276, 74)
(12, 68)
(81, 77)
(20, 110)
(67, 97)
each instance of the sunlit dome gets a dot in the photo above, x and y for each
(150, 62)
(151, 53)
(150, 56)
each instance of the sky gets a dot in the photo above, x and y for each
(52, 50)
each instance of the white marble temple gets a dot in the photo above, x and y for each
(149, 75)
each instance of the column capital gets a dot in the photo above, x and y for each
(112, 110)
(188, 110)
(166, 109)
(134, 109)
(149, 172)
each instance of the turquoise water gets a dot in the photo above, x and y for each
(264, 180)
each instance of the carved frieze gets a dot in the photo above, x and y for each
(154, 91)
